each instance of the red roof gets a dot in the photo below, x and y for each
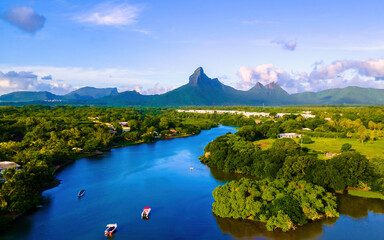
(147, 208)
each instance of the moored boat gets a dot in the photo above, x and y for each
(145, 213)
(81, 193)
(111, 228)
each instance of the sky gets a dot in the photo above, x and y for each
(154, 46)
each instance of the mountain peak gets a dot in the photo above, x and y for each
(198, 78)
(259, 85)
(257, 88)
(199, 71)
(272, 85)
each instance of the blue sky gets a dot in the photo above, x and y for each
(153, 46)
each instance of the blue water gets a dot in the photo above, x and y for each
(122, 182)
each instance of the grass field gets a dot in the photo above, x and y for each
(333, 145)
(366, 194)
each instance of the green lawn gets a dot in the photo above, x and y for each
(374, 150)
(366, 194)
(324, 145)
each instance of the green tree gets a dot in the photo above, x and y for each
(346, 147)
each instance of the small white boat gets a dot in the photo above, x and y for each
(111, 229)
(145, 213)
(81, 193)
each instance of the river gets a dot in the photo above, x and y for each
(120, 183)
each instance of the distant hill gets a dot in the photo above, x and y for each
(348, 95)
(27, 96)
(121, 99)
(202, 91)
(81, 94)
(87, 93)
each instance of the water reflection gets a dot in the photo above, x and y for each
(250, 229)
(159, 175)
(358, 207)
(228, 176)
(351, 206)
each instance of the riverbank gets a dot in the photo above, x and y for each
(7, 219)
(133, 173)
(366, 194)
(158, 175)
(59, 167)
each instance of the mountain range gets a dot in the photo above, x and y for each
(200, 91)
(85, 93)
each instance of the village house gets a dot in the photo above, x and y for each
(77, 149)
(290, 135)
(4, 165)
(126, 129)
(281, 115)
(173, 131)
(329, 154)
(305, 114)
(123, 124)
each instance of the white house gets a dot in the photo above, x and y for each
(290, 135)
(4, 165)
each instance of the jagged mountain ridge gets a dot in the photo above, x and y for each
(203, 91)
(199, 91)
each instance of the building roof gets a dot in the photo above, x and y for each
(5, 165)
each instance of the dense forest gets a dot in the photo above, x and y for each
(288, 161)
(41, 138)
(279, 203)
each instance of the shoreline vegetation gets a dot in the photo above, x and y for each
(278, 203)
(265, 152)
(56, 182)
(45, 139)
(60, 167)
(366, 194)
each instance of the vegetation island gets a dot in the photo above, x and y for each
(298, 179)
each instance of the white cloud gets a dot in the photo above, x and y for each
(265, 73)
(137, 88)
(339, 74)
(48, 77)
(27, 81)
(286, 44)
(368, 68)
(110, 14)
(24, 18)
(124, 79)
(80, 76)
(64, 80)
(157, 89)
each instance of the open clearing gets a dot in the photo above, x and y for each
(333, 145)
